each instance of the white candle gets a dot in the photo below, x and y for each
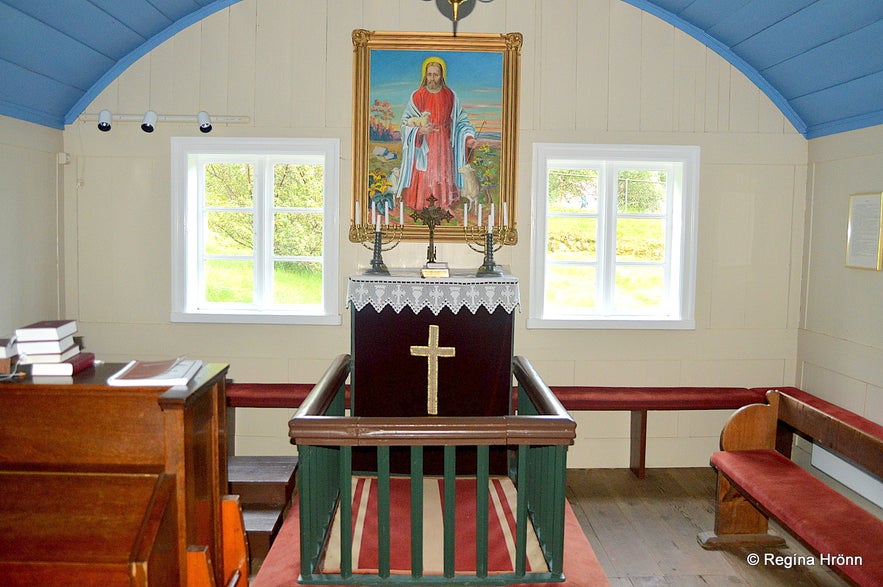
(373, 213)
(402, 213)
(386, 215)
(377, 224)
(505, 213)
(490, 220)
(479, 216)
(358, 213)
(465, 213)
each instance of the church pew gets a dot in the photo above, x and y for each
(64, 528)
(637, 400)
(757, 482)
(87, 427)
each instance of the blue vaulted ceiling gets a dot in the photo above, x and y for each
(819, 61)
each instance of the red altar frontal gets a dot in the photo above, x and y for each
(424, 348)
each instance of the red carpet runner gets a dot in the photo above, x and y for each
(581, 567)
(501, 528)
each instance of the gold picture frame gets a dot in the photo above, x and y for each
(392, 153)
(864, 236)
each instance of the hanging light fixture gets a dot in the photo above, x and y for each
(455, 10)
(104, 118)
(204, 121)
(148, 123)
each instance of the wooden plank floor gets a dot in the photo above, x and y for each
(644, 532)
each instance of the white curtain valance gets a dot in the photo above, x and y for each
(455, 293)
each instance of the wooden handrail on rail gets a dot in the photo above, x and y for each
(309, 426)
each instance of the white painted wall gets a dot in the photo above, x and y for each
(29, 200)
(840, 341)
(593, 71)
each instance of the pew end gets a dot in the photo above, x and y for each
(235, 562)
(752, 427)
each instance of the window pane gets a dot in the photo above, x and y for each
(298, 186)
(297, 283)
(570, 289)
(572, 239)
(573, 190)
(641, 192)
(229, 234)
(640, 239)
(229, 281)
(297, 235)
(229, 185)
(639, 289)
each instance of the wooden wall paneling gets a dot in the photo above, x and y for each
(624, 65)
(134, 86)
(558, 73)
(712, 90)
(593, 48)
(745, 103)
(162, 75)
(187, 51)
(273, 63)
(657, 75)
(241, 59)
(689, 79)
(343, 18)
(214, 75)
(308, 73)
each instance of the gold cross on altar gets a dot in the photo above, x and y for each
(432, 352)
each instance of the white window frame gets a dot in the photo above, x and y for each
(681, 233)
(186, 152)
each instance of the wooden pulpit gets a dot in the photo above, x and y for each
(431, 347)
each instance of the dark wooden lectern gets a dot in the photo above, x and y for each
(431, 347)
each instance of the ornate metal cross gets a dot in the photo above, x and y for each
(432, 352)
(431, 216)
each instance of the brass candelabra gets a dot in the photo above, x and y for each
(383, 237)
(488, 240)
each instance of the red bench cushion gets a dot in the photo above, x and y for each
(826, 522)
(291, 395)
(656, 398)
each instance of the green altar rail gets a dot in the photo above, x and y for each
(537, 438)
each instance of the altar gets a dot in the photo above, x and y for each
(432, 347)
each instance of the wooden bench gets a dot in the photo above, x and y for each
(637, 400)
(756, 482)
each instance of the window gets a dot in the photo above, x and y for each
(614, 236)
(254, 230)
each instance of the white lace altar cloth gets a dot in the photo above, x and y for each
(412, 291)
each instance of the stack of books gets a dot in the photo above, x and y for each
(49, 348)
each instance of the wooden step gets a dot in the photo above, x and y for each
(262, 480)
(261, 527)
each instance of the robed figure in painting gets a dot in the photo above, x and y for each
(436, 140)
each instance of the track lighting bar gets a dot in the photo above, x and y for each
(149, 119)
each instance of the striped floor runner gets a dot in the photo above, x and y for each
(501, 528)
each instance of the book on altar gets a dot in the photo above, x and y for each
(46, 330)
(169, 372)
(64, 355)
(42, 347)
(79, 362)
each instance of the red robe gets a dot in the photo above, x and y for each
(438, 179)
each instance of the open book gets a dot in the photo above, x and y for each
(167, 373)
